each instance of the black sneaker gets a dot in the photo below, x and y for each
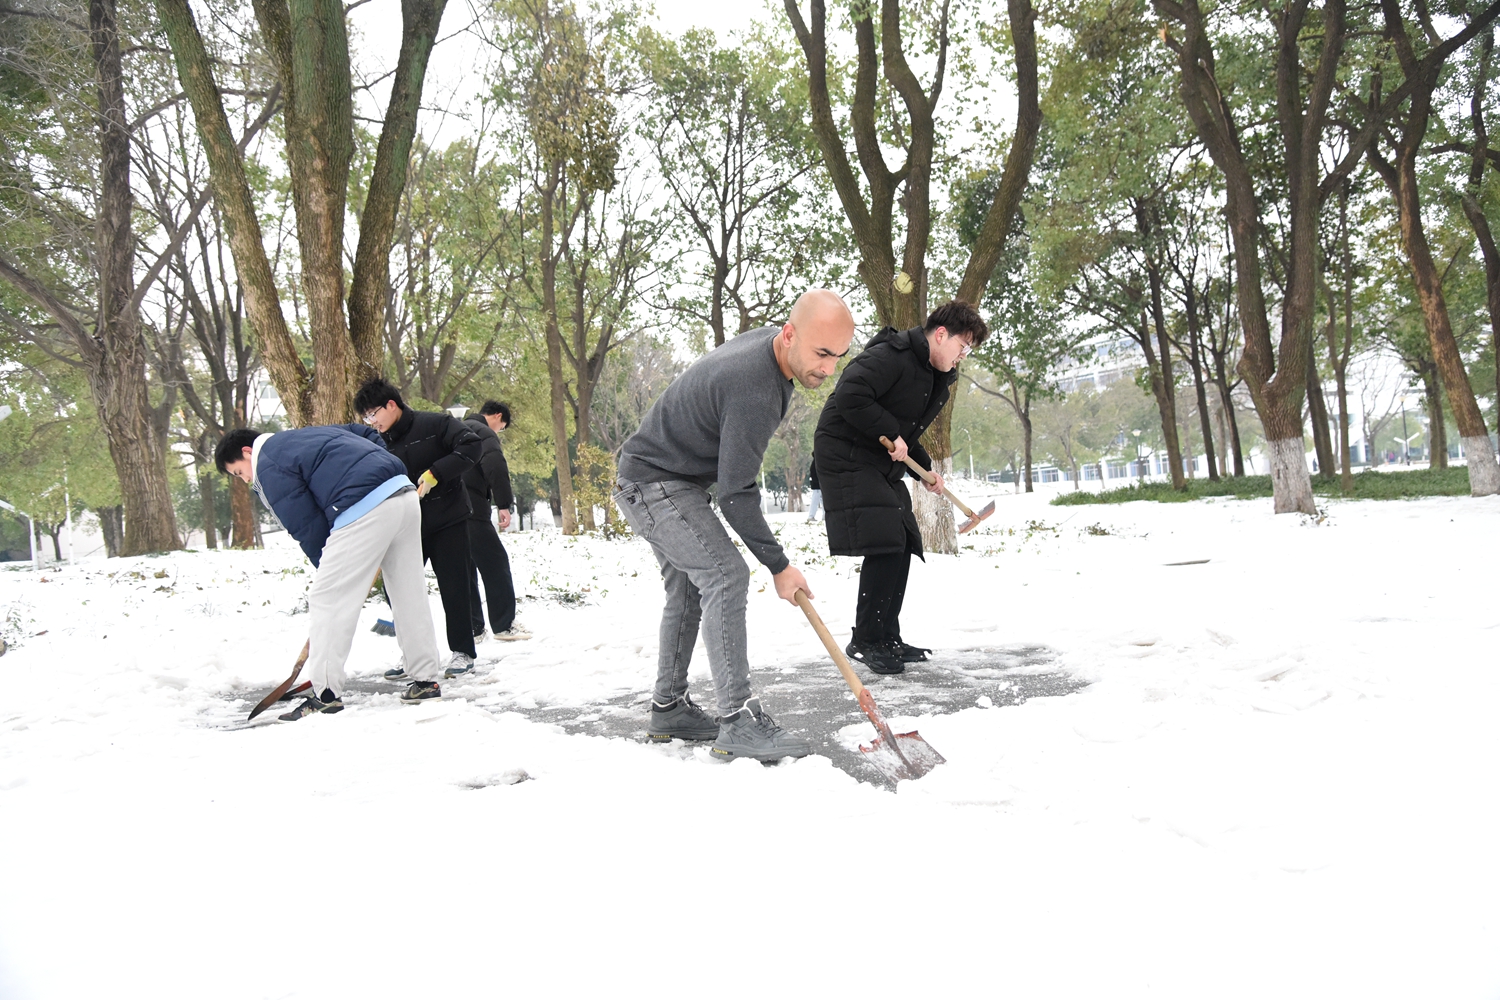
(878, 658)
(907, 653)
(421, 691)
(312, 706)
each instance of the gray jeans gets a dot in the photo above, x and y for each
(708, 584)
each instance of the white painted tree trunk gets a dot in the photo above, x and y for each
(1291, 483)
(935, 514)
(1484, 472)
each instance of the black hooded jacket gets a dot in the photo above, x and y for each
(449, 448)
(889, 389)
(490, 479)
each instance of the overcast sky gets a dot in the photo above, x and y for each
(455, 72)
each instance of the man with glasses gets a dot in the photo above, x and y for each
(892, 389)
(437, 450)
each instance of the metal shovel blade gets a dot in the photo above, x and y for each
(904, 756)
(898, 757)
(973, 522)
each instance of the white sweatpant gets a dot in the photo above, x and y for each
(389, 538)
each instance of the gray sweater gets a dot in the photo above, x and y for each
(712, 425)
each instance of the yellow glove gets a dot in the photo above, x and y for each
(425, 482)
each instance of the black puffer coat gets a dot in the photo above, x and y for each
(447, 447)
(891, 390)
(490, 479)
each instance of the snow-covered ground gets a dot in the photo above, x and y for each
(1280, 782)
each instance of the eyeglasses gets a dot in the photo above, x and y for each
(372, 415)
(966, 350)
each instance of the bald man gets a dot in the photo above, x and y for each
(710, 426)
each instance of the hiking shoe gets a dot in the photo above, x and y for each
(878, 658)
(312, 706)
(907, 653)
(681, 720)
(754, 734)
(461, 664)
(513, 634)
(421, 691)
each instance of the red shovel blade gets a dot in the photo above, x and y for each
(973, 522)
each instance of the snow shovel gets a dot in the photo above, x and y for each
(895, 755)
(927, 477)
(284, 686)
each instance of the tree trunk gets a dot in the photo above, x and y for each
(377, 223)
(242, 515)
(210, 513)
(1025, 415)
(1437, 421)
(1401, 178)
(1317, 406)
(560, 451)
(116, 359)
(238, 209)
(112, 526)
(1196, 360)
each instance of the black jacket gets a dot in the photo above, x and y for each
(490, 479)
(447, 447)
(890, 390)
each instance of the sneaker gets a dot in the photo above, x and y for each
(461, 664)
(907, 653)
(513, 634)
(878, 658)
(421, 691)
(481, 635)
(681, 720)
(312, 706)
(754, 734)
(398, 672)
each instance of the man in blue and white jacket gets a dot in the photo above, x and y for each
(349, 504)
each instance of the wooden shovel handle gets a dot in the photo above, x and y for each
(927, 477)
(839, 659)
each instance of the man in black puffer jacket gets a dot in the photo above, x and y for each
(437, 450)
(893, 389)
(490, 481)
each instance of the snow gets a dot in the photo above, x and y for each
(1259, 793)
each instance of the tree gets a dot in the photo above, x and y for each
(726, 126)
(588, 247)
(1269, 145)
(1408, 133)
(311, 64)
(884, 76)
(103, 337)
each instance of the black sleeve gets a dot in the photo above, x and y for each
(868, 377)
(497, 475)
(919, 455)
(463, 448)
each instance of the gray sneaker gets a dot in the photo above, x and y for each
(754, 734)
(681, 720)
(461, 664)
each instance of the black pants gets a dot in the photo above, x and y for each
(489, 561)
(882, 588)
(448, 551)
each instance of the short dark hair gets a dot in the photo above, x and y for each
(232, 446)
(375, 393)
(490, 408)
(959, 318)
